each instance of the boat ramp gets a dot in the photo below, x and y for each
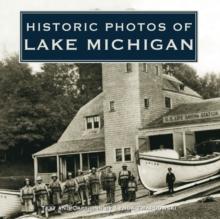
(145, 201)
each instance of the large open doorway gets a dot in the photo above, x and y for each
(161, 141)
(202, 136)
(208, 141)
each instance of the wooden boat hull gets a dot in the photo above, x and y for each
(152, 170)
(10, 203)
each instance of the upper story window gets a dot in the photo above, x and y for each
(157, 69)
(128, 67)
(92, 122)
(168, 102)
(145, 67)
(112, 106)
(181, 86)
(146, 103)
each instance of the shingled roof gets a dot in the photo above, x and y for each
(75, 146)
(171, 83)
(210, 105)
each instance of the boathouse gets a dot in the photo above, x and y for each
(140, 107)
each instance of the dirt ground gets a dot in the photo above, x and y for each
(198, 210)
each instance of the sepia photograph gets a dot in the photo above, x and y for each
(113, 137)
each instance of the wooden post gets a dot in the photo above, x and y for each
(80, 161)
(35, 168)
(184, 143)
(58, 167)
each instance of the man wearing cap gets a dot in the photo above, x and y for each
(56, 192)
(27, 198)
(123, 179)
(94, 184)
(72, 190)
(82, 184)
(41, 195)
(170, 179)
(108, 183)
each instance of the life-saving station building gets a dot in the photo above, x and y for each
(140, 107)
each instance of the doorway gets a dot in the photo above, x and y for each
(161, 141)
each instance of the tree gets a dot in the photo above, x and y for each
(19, 94)
(210, 85)
(184, 73)
(90, 81)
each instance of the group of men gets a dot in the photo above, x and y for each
(81, 190)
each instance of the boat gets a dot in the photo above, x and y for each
(153, 167)
(10, 203)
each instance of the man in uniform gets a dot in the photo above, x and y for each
(132, 188)
(94, 184)
(82, 184)
(170, 179)
(123, 179)
(56, 192)
(108, 183)
(72, 190)
(41, 195)
(27, 198)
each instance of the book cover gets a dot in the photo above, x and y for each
(109, 109)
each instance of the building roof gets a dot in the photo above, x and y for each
(173, 84)
(75, 146)
(189, 113)
(76, 129)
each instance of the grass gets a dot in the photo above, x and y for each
(198, 210)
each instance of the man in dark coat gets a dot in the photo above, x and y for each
(123, 178)
(108, 184)
(170, 179)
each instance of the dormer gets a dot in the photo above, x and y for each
(92, 122)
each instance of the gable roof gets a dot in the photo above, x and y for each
(173, 84)
(189, 109)
(75, 146)
(76, 129)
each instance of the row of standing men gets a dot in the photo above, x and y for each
(80, 190)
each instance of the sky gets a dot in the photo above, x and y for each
(208, 18)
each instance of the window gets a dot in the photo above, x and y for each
(89, 122)
(145, 67)
(128, 67)
(47, 164)
(122, 154)
(168, 103)
(157, 69)
(92, 122)
(182, 86)
(96, 122)
(118, 154)
(146, 103)
(127, 154)
(112, 106)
